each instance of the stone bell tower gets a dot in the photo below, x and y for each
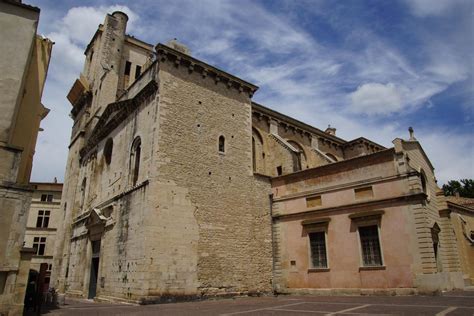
(97, 86)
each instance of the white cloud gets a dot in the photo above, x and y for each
(423, 8)
(80, 23)
(451, 153)
(376, 98)
(71, 34)
(297, 74)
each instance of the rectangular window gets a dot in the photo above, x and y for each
(364, 193)
(313, 201)
(46, 198)
(279, 171)
(128, 66)
(39, 243)
(138, 71)
(370, 246)
(317, 243)
(43, 219)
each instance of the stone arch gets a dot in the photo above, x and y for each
(301, 158)
(258, 153)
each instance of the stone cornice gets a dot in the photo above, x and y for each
(365, 141)
(458, 207)
(167, 54)
(339, 166)
(23, 6)
(300, 127)
(345, 186)
(323, 155)
(371, 204)
(421, 150)
(113, 116)
(81, 217)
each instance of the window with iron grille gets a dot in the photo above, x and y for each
(43, 219)
(370, 245)
(39, 243)
(317, 242)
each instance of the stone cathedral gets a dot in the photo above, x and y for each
(179, 186)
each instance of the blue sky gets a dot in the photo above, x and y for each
(368, 68)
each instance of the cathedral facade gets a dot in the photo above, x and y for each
(179, 186)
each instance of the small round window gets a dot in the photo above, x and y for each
(108, 148)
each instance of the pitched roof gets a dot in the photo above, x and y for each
(463, 201)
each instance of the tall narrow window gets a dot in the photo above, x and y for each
(135, 159)
(435, 230)
(128, 66)
(370, 246)
(43, 219)
(254, 156)
(39, 243)
(221, 144)
(138, 71)
(423, 181)
(317, 242)
(83, 191)
(108, 148)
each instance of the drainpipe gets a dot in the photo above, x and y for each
(270, 197)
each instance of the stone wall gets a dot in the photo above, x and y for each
(407, 213)
(210, 198)
(443, 271)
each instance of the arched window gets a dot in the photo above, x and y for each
(221, 144)
(423, 181)
(435, 230)
(135, 160)
(108, 148)
(299, 160)
(257, 152)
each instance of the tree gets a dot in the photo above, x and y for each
(465, 188)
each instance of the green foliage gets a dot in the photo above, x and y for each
(465, 188)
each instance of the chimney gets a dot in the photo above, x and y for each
(412, 134)
(55, 180)
(330, 130)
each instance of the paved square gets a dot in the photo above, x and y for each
(452, 304)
